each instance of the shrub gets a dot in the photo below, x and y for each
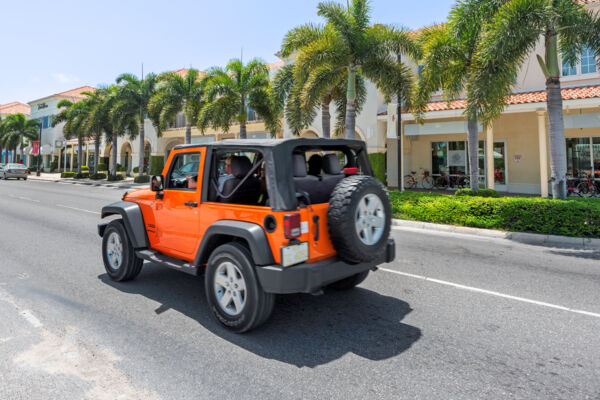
(83, 175)
(98, 176)
(477, 193)
(136, 170)
(378, 164)
(142, 179)
(117, 177)
(85, 168)
(120, 168)
(156, 165)
(579, 217)
(102, 167)
(53, 166)
(68, 174)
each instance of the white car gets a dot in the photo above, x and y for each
(18, 171)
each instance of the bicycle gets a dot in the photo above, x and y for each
(411, 182)
(446, 181)
(587, 186)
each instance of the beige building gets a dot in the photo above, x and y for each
(513, 152)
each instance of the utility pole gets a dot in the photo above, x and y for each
(39, 153)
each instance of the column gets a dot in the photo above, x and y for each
(403, 160)
(543, 147)
(489, 155)
(59, 158)
(72, 152)
(87, 154)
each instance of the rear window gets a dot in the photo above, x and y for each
(16, 166)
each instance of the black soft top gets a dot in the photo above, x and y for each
(277, 155)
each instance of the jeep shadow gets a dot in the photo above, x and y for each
(304, 330)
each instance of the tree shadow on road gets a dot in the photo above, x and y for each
(304, 330)
(589, 254)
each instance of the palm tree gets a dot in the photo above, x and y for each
(131, 106)
(8, 141)
(300, 96)
(76, 117)
(100, 122)
(507, 39)
(447, 59)
(349, 43)
(174, 95)
(18, 128)
(230, 91)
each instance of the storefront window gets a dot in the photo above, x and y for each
(499, 163)
(457, 158)
(579, 163)
(439, 157)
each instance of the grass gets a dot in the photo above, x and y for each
(579, 217)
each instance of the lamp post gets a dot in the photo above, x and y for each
(39, 152)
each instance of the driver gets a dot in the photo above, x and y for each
(192, 181)
(229, 175)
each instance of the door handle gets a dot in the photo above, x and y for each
(191, 204)
(316, 221)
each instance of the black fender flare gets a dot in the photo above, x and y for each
(132, 219)
(252, 233)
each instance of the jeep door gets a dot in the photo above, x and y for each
(178, 212)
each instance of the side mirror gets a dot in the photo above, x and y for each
(156, 183)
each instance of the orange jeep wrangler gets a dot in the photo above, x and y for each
(259, 217)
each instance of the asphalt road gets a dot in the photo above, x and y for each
(455, 317)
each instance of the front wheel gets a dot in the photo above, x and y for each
(427, 182)
(234, 295)
(119, 257)
(409, 182)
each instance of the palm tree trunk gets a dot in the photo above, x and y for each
(188, 133)
(326, 118)
(22, 155)
(350, 98)
(473, 145)
(96, 152)
(243, 131)
(79, 154)
(113, 167)
(556, 140)
(141, 155)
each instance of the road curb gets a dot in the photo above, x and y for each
(123, 185)
(521, 237)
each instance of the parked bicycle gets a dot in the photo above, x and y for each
(583, 186)
(447, 181)
(411, 181)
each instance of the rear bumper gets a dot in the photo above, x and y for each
(15, 174)
(310, 277)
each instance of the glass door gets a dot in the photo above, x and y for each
(500, 178)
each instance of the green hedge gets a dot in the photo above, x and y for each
(102, 167)
(85, 168)
(98, 176)
(68, 174)
(142, 179)
(578, 217)
(83, 175)
(378, 164)
(477, 193)
(117, 177)
(156, 165)
(136, 170)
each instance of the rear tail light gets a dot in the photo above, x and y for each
(9, 171)
(351, 171)
(291, 226)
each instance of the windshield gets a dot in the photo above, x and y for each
(15, 166)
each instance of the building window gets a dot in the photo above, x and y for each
(568, 69)
(583, 157)
(252, 115)
(588, 61)
(45, 122)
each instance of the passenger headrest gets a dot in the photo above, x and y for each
(315, 164)
(299, 165)
(240, 166)
(331, 164)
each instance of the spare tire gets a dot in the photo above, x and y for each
(359, 218)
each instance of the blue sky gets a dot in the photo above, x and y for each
(53, 46)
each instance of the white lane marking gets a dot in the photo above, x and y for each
(32, 319)
(77, 209)
(449, 234)
(492, 293)
(24, 198)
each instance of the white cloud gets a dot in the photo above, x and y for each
(65, 78)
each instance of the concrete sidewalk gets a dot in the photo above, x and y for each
(521, 237)
(124, 184)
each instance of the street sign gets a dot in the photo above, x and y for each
(59, 144)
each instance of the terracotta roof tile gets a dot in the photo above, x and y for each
(76, 93)
(573, 93)
(275, 65)
(182, 71)
(14, 108)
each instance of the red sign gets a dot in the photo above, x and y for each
(35, 147)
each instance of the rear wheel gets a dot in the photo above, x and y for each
(119, 257)
(234, 295)
(350, 282)
(409, 182)
(427, 182)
